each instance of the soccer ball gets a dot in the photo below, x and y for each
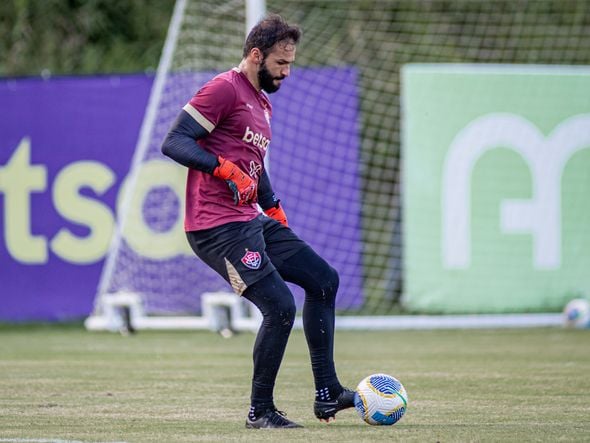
(576, 314)
(380, 399)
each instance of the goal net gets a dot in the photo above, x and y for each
(335, 155)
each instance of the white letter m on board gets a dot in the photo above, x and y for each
(541, 215)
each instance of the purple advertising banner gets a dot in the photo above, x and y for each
(66, 146)
(48, 129)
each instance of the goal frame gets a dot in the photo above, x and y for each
(122, 310)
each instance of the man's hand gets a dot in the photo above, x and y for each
(278, 214)
(240, 183)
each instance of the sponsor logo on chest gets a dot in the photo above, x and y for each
(256, 139)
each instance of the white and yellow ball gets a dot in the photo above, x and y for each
(380, 399)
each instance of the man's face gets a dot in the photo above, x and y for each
(276, 66)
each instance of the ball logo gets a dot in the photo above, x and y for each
(252, 259)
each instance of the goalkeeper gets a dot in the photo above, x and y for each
(222, 135)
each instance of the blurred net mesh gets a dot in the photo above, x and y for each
(335, 155)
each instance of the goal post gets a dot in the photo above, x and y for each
(351, 158)
(118, 304)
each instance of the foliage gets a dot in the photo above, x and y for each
(81, 37)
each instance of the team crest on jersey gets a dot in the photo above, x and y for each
(252, 259)
(267, 116)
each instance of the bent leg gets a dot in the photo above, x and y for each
(320, 282)
(275, 301)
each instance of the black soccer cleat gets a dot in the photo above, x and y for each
(272, 418)
(326, 410)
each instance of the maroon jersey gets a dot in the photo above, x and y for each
(237, 117)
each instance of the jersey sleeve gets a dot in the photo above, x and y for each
(212, 103)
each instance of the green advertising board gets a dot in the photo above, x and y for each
(496, 187)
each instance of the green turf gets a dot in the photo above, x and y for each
(64, 383)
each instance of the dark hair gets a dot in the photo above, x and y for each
(269, 31)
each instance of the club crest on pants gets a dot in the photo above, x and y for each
(252, 259)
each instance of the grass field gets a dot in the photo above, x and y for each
(65, 384)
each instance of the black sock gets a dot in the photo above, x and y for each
(257, 410)
(328, 393)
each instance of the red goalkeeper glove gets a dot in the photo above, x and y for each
(240, 183)
(278, 214)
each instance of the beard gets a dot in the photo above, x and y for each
(266, 80)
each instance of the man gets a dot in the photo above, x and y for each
(222, 136)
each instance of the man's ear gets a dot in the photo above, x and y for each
(256, 55)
